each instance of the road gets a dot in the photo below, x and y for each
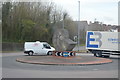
(13, 69)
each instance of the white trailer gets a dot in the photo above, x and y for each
(42, 48)
(103, 43)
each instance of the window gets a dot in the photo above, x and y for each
(47, 46)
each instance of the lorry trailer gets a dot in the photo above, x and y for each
(102, 43)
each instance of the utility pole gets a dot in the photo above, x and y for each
(64, 16)
(78, 24)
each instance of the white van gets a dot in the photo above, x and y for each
(42, 48)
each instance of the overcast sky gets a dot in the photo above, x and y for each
(105, 11)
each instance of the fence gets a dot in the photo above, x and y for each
(12, 46)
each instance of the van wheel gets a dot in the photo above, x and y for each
(49, 53)
(30, 53)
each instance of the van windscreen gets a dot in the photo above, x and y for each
(47, 46)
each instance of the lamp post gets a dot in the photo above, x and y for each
(78, 24)
(64, 15)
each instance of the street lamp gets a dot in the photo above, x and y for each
(64, 15)
(78, 24)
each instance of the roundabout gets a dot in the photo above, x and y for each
(58, 60)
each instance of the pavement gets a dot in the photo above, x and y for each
(81, 48)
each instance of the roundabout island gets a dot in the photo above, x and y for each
(65, 59)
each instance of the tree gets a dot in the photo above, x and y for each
(29, 21)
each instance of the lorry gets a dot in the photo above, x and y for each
(103, 44)
(42, 48)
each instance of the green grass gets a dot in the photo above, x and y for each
(82, 51)
(82, 44)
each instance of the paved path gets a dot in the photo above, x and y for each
(80, 48)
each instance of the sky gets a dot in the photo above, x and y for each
(105, 11)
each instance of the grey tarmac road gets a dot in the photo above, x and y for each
(13, 69)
